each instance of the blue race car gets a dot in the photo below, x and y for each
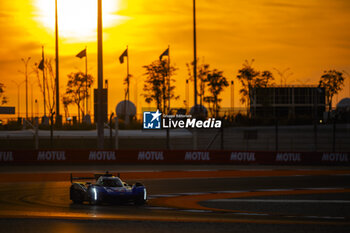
(107, 189)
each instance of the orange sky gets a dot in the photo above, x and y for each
(307, 36)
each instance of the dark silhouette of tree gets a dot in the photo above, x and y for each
(3, 98)
(202, 75)
(216, 83)
(66, 102)
(47, 88)
(76, 89)
(332, 81)
(157, 86)
(252, 79)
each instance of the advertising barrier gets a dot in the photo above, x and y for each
(171, 157)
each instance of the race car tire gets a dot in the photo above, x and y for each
(76, 196)
(139, 200)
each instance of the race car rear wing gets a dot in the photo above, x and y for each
(80, 178)
(95, 177)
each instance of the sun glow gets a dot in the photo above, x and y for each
(77, 19)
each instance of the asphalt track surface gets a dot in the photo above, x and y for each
(183, 199)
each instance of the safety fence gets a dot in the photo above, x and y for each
(192, 157)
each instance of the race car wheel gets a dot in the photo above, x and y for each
(139, 200)
(141, 197)
(76, 197)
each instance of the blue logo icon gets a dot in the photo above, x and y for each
(151, 120)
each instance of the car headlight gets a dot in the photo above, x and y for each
(94, 192)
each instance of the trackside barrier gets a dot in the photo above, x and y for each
(171, 157)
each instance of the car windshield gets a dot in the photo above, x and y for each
(111, 183)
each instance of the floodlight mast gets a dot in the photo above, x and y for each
(194, 54)
(100, 124)
(57, 68)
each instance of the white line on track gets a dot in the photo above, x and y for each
(274, 190)
(326, 188)
(252, 214)
(197, 211)
(164, 195)
(282, 201)
(257, 200)
(201, 170)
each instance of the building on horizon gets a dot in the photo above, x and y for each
(288, 102)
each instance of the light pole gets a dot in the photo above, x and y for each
(57, 68)
(36, 108)
(194, 54)
(135, 92)
(25, 61)
(232, 96)
(32, 99)
(18, 102)
(348, 78)
(187, 95)
(283, 76)
(100, 128)
(316, 94)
